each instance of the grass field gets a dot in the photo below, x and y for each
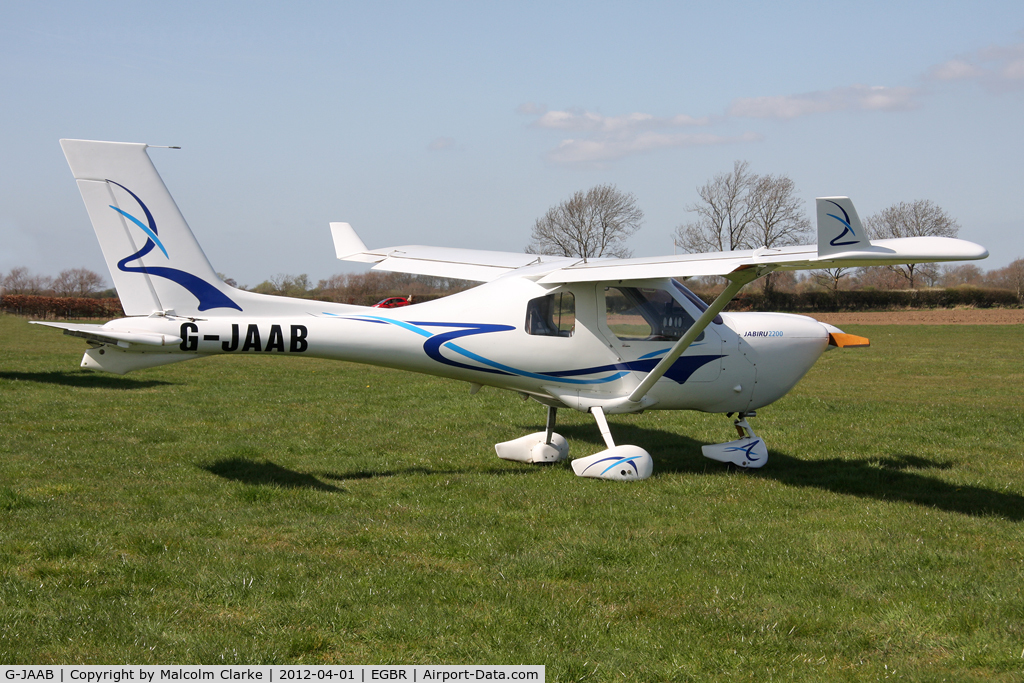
(264, 510)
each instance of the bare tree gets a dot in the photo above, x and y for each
(285, 285)
(830, 278)
(79, 282)
(777, 216)
(741, 210)
(16, 281)
(966, 274)
(63, 284)
(589, 224)
(1011, 277)
(920, 218)
(878, 277)
(20, 281)
(723, 214)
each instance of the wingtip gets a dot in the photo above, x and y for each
(346, 242)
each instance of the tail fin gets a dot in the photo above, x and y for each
(839, 227)
(153, 257)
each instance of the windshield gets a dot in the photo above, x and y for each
(696, 301)
(641, 314)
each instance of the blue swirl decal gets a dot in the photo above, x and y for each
(847, 229)
(680, 371)
(745, 449)
(628, 460)
(208, 295)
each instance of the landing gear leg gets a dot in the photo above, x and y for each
(747, 451)
(621, 463)
(539, 447)
(550, 428)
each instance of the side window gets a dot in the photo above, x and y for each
(635, 314)
(552, 316)
(625, 313)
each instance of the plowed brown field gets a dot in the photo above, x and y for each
(937, 316)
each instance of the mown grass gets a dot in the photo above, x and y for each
(237, 510)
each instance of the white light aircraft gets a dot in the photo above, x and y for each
(603, 336)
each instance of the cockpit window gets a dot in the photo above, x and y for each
(552, 316)
(636, 314)
(696, 301)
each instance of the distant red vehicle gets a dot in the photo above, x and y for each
(392, 302)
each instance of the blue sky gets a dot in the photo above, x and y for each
(458, 123)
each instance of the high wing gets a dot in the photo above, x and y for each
(877, 253)
(463, 264)
(841, 244)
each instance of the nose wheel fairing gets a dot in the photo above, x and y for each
(748, 451)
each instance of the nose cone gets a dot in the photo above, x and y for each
(782, 348)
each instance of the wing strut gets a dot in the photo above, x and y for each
(737, 280)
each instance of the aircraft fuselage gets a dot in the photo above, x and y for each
(606, 343)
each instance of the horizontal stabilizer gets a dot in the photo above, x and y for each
(123, 338)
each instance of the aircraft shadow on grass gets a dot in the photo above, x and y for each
(414, 471)
(267, 473)
(84, 380)
(896, 478)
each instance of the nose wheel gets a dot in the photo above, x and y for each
(747, 451)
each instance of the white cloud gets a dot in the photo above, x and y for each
(589, 121)
(607, 138)
(600, 139)
(997, 67)
(954, 70)
(600, 149)
(854, 97)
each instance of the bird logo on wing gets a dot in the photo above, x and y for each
(847, 228)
